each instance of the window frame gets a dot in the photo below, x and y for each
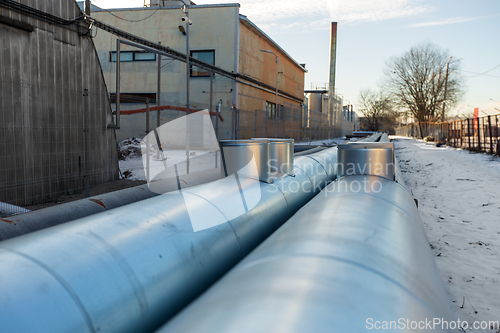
(270, 110)
(191, 52)
(111, 53)
(133, 97)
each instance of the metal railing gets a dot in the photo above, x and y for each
(477, 134)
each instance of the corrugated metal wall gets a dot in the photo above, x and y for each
(44, 69)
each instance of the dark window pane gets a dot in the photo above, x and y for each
(133, 97)
(271, 110)
(205, 56)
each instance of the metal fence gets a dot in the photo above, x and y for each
(53, 146)
(48, 162)
(478, 133)
(291, 121)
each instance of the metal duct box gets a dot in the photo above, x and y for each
(246, 158)
(281, 155)
(366, 158)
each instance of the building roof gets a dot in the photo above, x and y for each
(489, 109)
(177, 5)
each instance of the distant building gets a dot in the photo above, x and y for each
(219, 35)
(47, 59)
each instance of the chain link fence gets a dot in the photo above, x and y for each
(293, 122)
(54, 145)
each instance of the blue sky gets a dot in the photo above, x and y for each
(371, 31)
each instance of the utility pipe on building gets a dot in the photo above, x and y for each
(158, 90)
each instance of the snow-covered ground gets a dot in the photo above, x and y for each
(459, 201)
(133, 167)
(132, 162)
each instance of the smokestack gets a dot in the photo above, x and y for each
(333, 56)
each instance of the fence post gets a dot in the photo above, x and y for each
(237, 123)
(255, 125)
(491, 134)
(453, 133)
(484, 135)
(147, 139)
(86, 130)
(461, 133)
(497, 135)
(266, 116)
(301, 119)
(284, 117)
(479, 134)
(233, 116)
(468, 132)
(276, 121)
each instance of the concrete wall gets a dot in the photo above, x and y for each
(44, 69)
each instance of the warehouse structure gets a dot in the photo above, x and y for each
(54, 105)
(221, 36)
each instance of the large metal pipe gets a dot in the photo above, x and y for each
(28, 222)
(354, 257)
(18, 225)
(132, 268)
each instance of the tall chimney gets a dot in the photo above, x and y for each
(333, 57)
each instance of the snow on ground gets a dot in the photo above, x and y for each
(459, 201)
(132, 161)
(133, 167)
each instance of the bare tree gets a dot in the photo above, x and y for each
(419, 80)
(377, 109)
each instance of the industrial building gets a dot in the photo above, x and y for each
(221, 36)
(53, 104)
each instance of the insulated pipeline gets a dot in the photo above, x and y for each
(132, 268)
(354, 256)
(18, 225)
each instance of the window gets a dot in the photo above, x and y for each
(144, 56)
(127, 56)
(272, 113)
(207, 56)
(133, 97)
(271, 110)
